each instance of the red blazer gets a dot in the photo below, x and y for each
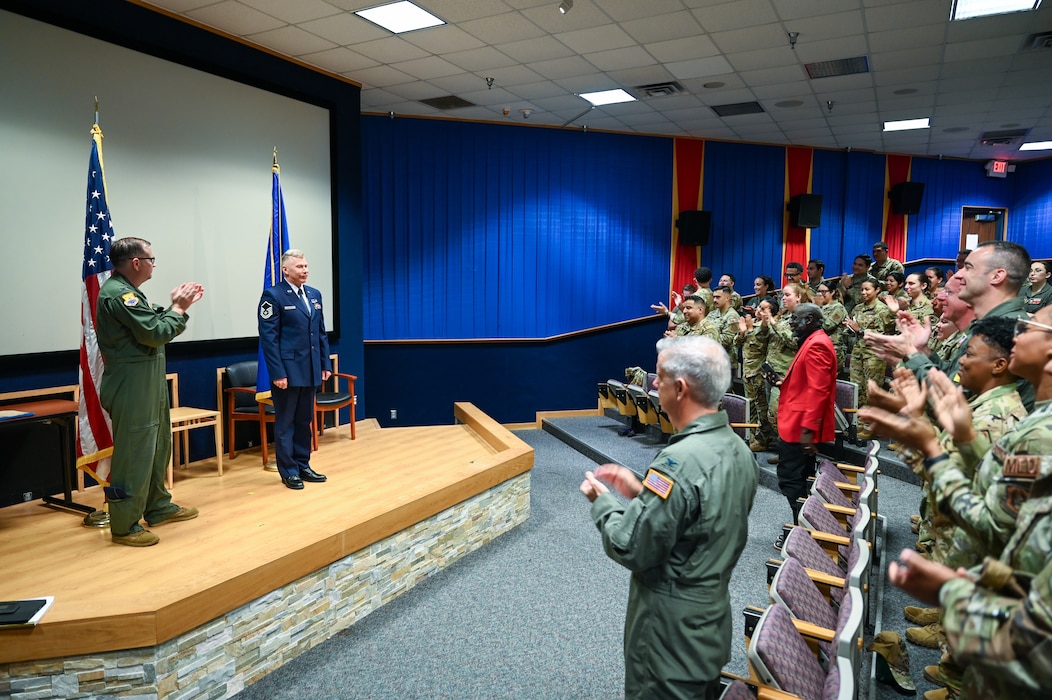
(809, 391)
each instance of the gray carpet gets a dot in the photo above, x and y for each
(539, 612)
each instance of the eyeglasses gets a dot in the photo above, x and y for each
(822, 291)
(153, 261)
(791, 274)
(1022, 326)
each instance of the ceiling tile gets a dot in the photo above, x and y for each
(344, 29)
(427, 68)
(501, 29)
(626, 10)
(734, 15)
(773, 76)
(699, 68)
(235, 18)
(464, 10)
(339, 60)
(443, 40)
(180, 5)
(592, 39)
(291, 41)
(294, 12)
(506, 76)
(982, 49)
(390, 50)
(539, 49)
(683, 49)
(662, 27)
(537, 90)
(381, 76)
(481, 59)
(903, 16)
(775, 57)
(907, 60)
(563, 67)
(618, 59)
(756, 37)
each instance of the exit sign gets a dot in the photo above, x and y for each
(997, 168)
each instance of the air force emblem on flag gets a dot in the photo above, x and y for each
(266, 310)
(658, 483)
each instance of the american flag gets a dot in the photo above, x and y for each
(277, 244)
(95, 435)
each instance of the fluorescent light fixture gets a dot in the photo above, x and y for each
(906, 124)
(399, 17)
(1037, 146)
(565, 6)
(607, 97)
(967, 9)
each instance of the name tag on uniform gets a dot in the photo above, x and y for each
(1022, 466)
(290, 308)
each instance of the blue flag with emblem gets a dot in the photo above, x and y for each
(277, 244)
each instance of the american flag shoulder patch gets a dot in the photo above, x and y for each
(658, 483)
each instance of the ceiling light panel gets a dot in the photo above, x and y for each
(400, 17)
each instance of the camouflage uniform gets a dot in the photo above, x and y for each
(922, 309)
(709, 327)
(687, 329)
(881, 271)
(865, 364)
(813, 284)
(781, 348)
(994, 414)
(1000, 627)
(736, 301)
(753, 345)
(833, 315)
(987, 507)
(853, 292)
(726, 324)
(706, 295)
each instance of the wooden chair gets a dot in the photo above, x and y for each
(326, 401)
(238, 386)
(184, 419)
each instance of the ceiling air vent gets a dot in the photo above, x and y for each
(1037, 42)
(737, 109)
(841, 66)
(1003, 138)
(447, 102)
(660, 89)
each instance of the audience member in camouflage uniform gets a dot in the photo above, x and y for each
(869, 315)
(725, 321)
(752, 339)
(675, 315)
(782, 344)
(936, 280)
(833, 315)
(703, 280)
(727, 280)
(893, 289)
(1037, 292)
(816, 270)
(793, 272)
(998, 618)
(851, 285)
(920, 306)
(883, 266)
(693, 316)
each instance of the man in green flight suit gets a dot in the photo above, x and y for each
(132, 335)
(682, 531)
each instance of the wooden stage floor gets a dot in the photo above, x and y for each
(253, 534)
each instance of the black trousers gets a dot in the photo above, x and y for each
(794, 468)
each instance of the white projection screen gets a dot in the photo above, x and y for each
(187, 159)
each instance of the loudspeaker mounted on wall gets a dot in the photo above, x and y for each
(805, 210)
(906, 197)
(694, 227)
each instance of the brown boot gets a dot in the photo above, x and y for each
(922, 616)
(929, 636)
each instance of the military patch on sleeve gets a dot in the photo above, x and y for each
(1022, 466)
(266, 310)
(130, 299)
(658, 483)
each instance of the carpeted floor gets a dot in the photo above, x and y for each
(539, 612)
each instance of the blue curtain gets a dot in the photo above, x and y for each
(493, 231)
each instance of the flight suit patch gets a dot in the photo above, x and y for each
(130, 299)
(266, 310)
(658, 483)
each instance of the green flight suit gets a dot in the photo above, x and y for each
(681, 551)
(132, 335)
(1000, 630)
(1035, 301)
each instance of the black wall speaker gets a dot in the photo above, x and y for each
(694, 227)
(805, 210)
(906, 197)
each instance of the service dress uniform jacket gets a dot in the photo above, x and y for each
(295, 347)
(681, 548)
(131, 335)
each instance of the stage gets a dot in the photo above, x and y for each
(265, 572)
